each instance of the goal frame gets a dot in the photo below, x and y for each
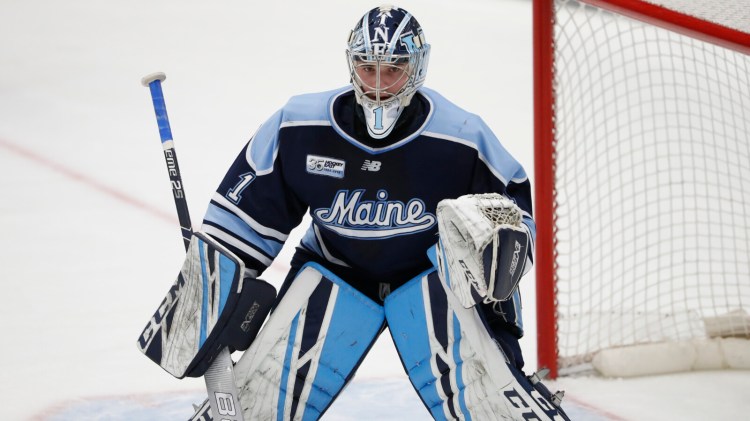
(544, 141)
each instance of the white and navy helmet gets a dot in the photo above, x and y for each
(388, 57)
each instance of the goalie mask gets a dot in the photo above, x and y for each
(387, 57)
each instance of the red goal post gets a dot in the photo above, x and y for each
(642, 184)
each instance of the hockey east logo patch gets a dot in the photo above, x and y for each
(322, 165)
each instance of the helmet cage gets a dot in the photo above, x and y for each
(375, 75)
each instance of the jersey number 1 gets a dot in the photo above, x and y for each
(378, 118)
(235, 194)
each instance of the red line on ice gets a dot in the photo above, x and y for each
(90, 182)
(81, 178)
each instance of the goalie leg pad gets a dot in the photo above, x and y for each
(209, 307)
(309, 350)
(454, 363)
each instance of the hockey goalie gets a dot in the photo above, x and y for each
(421, 222)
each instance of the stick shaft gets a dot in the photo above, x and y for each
(170, 157)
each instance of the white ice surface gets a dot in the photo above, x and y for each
(90, 242)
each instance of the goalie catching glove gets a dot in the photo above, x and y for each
(482, 249)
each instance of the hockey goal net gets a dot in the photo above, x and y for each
(642, 183)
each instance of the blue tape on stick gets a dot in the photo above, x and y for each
(162, 120)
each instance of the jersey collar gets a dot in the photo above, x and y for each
(378, 150)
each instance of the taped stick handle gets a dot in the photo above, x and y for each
(153, 82)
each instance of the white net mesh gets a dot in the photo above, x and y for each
(652, 183)
(733, 14)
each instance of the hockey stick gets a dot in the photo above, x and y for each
(153, 82)
(220, 384)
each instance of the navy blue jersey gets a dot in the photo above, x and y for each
(372, 204)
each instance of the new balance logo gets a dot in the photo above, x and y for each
(371, 165)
